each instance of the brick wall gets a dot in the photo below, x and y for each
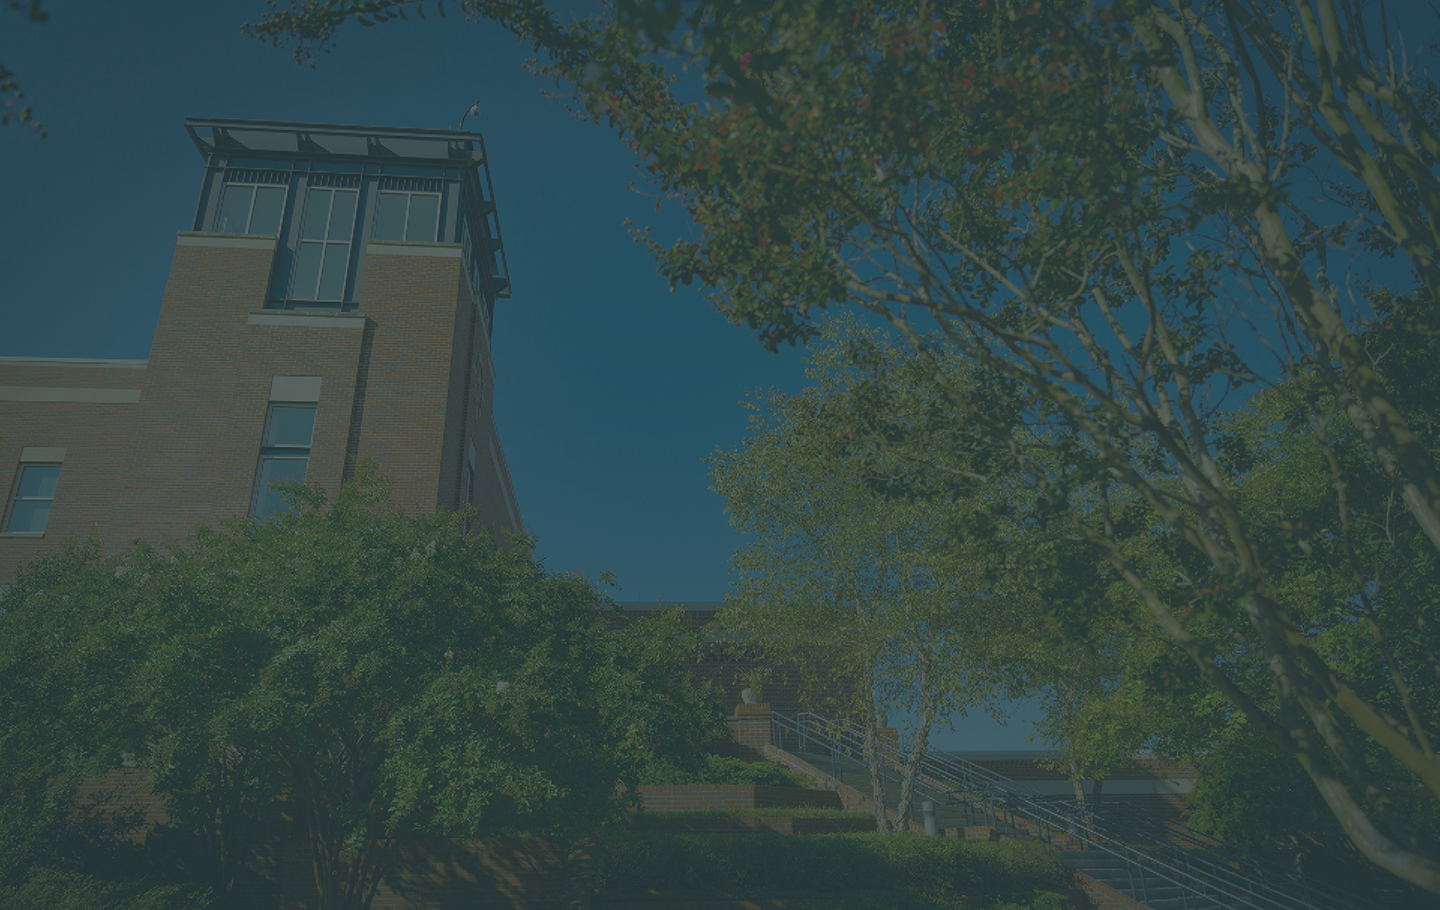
(95, 435)
(201, 418)
(412, 300)
(396, 386)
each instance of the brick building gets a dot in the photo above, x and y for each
(332, 301)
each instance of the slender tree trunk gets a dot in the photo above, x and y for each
(873, 762)
(1077, 774)
(921, 744)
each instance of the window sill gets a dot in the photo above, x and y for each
(414, 248)
(30, 534)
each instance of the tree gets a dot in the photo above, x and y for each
(1115, 205)
(844, 582)
(385, 676)
(1353, 580)
(1062, 627)
(9, 88)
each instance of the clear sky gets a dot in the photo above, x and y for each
(609, 389)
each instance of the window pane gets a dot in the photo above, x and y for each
(38, 481)
(291, 425)
(269, 203)
(307, 271)
(317, 215)
(268, 500)
(424, 209)
(29, 515)
(342, 218)
(390, 217)
(234, 209)
(332, 273)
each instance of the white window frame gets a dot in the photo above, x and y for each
(15, 496)
(409, 198)
(281, 451)
(325, 245)
(250, 211)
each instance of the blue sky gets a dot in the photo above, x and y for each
(610, 389)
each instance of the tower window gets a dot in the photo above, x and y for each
(284, 455)
(34, 493)
(324, 253)
(247, 208)
(407, 216)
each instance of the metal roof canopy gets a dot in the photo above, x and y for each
(289, 140)
(337, 140)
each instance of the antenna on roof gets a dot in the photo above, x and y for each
(473, 112)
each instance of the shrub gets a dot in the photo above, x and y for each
(720, 770)
(748, 866)
(53, 889)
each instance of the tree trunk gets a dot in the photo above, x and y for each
(872, 761)
(921, 744)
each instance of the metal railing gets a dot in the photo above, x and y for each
(1156, 851)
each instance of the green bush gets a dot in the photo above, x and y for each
(750, 866)
(53, 889)
(781, 811)
(720, 770)
(910, 900)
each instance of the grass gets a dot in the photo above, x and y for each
(872, 871)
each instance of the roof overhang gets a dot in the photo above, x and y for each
(290, 140)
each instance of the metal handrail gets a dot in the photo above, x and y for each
(1150, 844)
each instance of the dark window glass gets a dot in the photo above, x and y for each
(273, 470)
(324, 253)
(30, 508)
(317, 214)
(390, 216)
(269, 205)
(291, 425)
(424, 212)
(235, 209)
(307, 270)
(342, 215)
(285, 454)
(332, 273)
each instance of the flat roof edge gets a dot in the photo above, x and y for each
(330, 128)
(75, 361)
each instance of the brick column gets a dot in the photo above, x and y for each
(751, 724)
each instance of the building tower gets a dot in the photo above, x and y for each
(333, 301)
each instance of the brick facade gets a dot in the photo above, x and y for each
(152, 449)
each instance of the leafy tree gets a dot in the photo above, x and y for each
(385, 676)
(842, 580)
(59, 660)
(1061, 627)
(9, 88)
(1124, 207)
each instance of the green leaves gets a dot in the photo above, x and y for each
(345, 661)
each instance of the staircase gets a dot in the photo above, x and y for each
(1152, 861)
